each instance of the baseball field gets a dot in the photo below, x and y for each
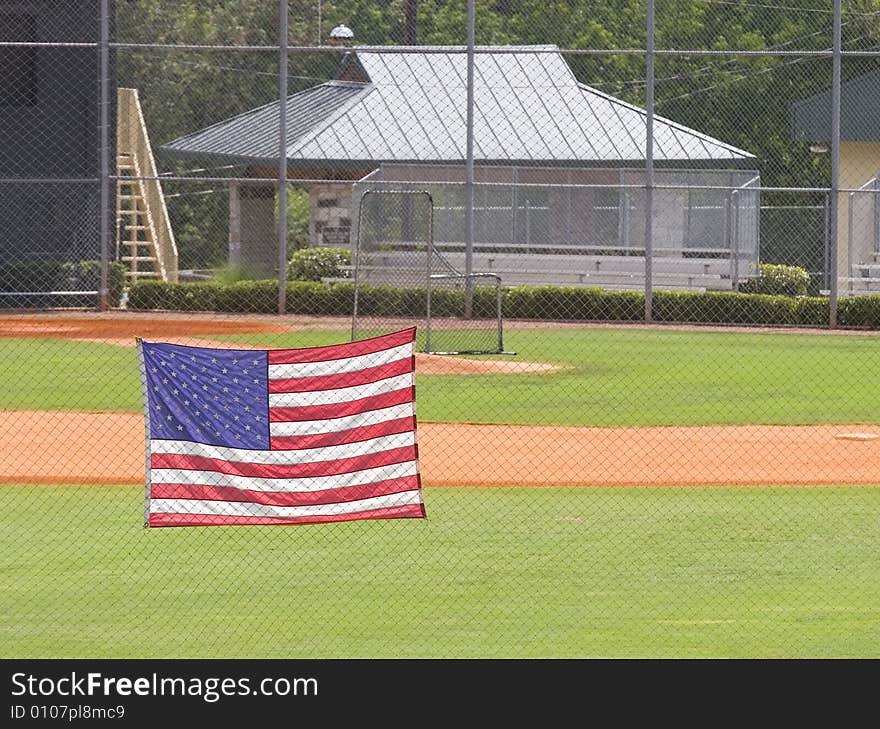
(608, 491)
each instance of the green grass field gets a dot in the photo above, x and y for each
(612, 377)
(696, 572)
(784, 572)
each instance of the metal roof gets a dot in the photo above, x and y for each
(811, 117)
(410, 107)
(253, 135)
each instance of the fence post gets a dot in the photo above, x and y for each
(514, 204)
(876, 208)
(734, 237)
(430, 274)
(827, 243)
(649, 166)
(104, 66)
(528, 226)
(834, 211)
(850, 235)
(623, 210)
(282, 157)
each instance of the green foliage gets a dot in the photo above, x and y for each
(234, 272)
(297, 218)
(303, 297)
(545, 303)
(572, 303)
(722, 307)
(35, 276)
(200, 230)
(314, 264)
(778, 279)
(743, 101)
(859, 311)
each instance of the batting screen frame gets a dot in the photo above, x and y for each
(413, 262)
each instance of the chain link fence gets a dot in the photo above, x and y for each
(639, 245)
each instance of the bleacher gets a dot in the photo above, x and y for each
(865, 279)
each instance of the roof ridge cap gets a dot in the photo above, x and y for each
(431, 49)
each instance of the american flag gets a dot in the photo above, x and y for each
(281, 436)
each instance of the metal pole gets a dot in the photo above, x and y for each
(834, 211)
(139, 343)
(104, 53)
(282, 158)
(734, 249)
(514, 205)
(430, 269)
(498, 303)
(409, 25)
(235, 224)
(469, 169)
(649, 166)
(361, 204)
(849, 234)
(876, 209)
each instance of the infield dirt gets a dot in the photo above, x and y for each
(56, 447)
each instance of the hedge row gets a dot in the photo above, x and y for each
(303, 297)
(520, 302)
(24, 276)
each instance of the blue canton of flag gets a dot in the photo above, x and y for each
(219, 397)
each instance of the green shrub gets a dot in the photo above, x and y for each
(314, 264)
(778, 279)
(572, 303)
(722, 307)
(87, 275)
(861, 312)
(549, 303)
(811, 311)
(258, 297)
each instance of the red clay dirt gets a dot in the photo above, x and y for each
(193, 330)
(108, 448)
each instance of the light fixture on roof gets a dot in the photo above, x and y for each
(818, 149)
(341, 35)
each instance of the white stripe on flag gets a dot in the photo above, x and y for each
(336, 425)
(336, 366)
(309, 455)
(243, 508)
(288, 485)
(341, 394)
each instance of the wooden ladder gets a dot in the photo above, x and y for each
(135, 234)
(144, 239)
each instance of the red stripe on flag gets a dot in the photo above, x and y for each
(409, 511)
(278, 470)
(342, 351)
(280, 498)
(342, 379)
(352, 435)
(342, 409)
